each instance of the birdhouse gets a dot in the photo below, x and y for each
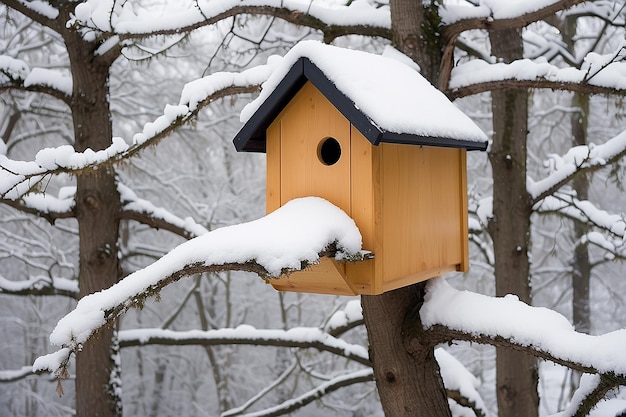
(369, 134)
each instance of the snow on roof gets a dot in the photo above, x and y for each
(395, 103)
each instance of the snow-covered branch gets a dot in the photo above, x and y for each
(143, 211)
(95, 19)
(301, 337)
(289, 239)
(592, 390)
(599, 74)
(449, 314)
(18, 178)
(40, 285)
(585, 211)
(334, 384)
(583, 158)
(18, 75)
(498, 15)
(12, 375)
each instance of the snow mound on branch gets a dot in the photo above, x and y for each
(283, 240)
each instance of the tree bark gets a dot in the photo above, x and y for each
(97, 212)
(509, 227)
(406, 372)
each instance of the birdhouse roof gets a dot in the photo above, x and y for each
(384, 98)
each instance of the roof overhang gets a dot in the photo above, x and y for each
(252, 136)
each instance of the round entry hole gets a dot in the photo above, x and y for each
(329, 151)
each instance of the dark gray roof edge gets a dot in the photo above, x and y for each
(405, 138)
(251, 137)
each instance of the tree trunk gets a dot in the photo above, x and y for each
(510, 228)
(97, 212)
(406, 372)
(581, 275)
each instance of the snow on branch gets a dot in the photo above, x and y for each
(15, 73)
(40, 285)
(144, 211)
(289, 239)
(18, 178)
(585, 211)
(12, 375)
(591, 390)
(599, 74)
(450, 314)
(503, 10)
(302, 337)
(97, 18)
(364, 375)
(578, 159)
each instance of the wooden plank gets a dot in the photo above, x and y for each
(361, 274)
(464, 238)
(272, 168)
(420, 207)
(417, 277)
(327, 277)
(310, 119)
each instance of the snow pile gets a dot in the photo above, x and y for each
(393, 95)
(282, 240)
(507, 317)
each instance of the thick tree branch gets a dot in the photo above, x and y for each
(451, 31)
(50, 216)
(296, 17)
(515, 84)
(18, 84)
(48, 19)
(442, 334)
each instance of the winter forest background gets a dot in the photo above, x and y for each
(194, 181)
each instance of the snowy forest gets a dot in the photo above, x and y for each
(134, 239)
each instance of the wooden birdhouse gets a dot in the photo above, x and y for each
(372, 136)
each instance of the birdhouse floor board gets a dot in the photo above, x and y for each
(327, 277)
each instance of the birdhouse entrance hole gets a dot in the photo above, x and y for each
(329, 151)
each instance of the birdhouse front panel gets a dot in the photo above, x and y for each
(309, 155)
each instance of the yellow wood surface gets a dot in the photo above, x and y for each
(409, 202)
(272, 167)
(327, 277)
(307, 121)
(420, 209)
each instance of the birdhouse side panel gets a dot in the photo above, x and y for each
(421, 210)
